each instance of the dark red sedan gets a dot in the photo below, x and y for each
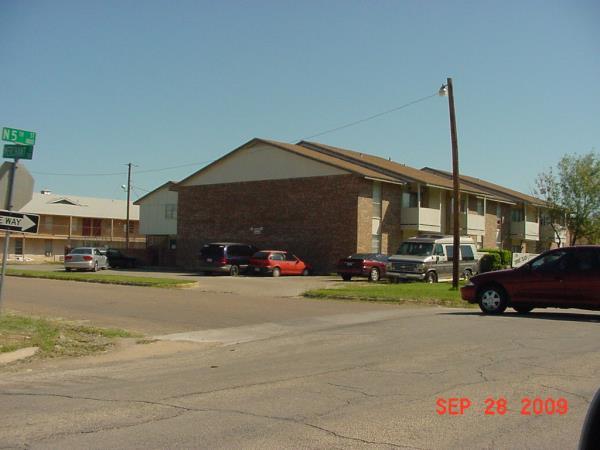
(371, 265)
(567, 277)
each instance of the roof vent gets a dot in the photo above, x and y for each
(45, 192)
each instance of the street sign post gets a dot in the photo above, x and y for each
(20, 222)
(17, 151)
(18, 136)
(9, 221)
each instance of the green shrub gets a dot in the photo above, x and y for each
(506, 256)
(500, 258)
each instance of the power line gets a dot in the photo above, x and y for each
(356, 122)
(341, 127)
(110, 174)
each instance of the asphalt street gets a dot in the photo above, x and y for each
(269, 372)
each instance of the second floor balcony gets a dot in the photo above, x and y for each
(549, 233)
(524, 229)
(472, 224)
(421, 219)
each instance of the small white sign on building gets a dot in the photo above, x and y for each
(257, 230)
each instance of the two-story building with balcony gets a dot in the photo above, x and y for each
(68, 221)
(325, 202)
(524, 224)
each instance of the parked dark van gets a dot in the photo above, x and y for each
(225, 257)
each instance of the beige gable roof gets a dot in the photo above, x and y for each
(166, 185)
(304, 152)
(71, 205)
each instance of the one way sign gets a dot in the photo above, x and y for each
(14, 221)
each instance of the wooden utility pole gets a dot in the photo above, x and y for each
(128, 196)
(455, 186)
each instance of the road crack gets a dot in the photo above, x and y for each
(183, 410)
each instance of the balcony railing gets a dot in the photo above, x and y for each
(473, 224)
(525, 230)
(548, 233)
(421, 219)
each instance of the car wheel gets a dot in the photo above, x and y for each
(95, 268)
(305, 272)
(431, 277)
(523, 309)
(234, 271)
(346, 277)
(68, 269)
(276, 272)
(374, 274)
(492, 300)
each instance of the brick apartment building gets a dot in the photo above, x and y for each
(323, 203)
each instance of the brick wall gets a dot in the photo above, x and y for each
(364, 214)
(391, 231)
(315, 218)
(491, 225)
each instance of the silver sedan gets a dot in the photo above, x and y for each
(86, 258)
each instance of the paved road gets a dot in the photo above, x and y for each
(216, 302)
(305, 374)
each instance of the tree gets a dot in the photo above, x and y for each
(573, 195)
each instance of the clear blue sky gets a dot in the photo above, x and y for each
(170, 83)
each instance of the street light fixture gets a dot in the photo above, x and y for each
(446, 89)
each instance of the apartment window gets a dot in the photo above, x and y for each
(376, 199)
(516, 215)
(19, 246)
(376, 218)
(170, 211)
(480, 206)
(476, 205)
(545, 220)
(410, 200)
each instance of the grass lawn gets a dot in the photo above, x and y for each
(55, 337)
(92, 277)
(422, 293)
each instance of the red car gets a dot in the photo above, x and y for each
(567, 277)
(371, 265)
(277, 262)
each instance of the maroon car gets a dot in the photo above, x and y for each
(371, 265)
(567, 277)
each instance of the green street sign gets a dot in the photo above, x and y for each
(18, 151)
(18, 136)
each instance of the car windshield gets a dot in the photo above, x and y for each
(260, 255)
(362, 256)
(415, 249)
(81, 251)
(212, 250)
